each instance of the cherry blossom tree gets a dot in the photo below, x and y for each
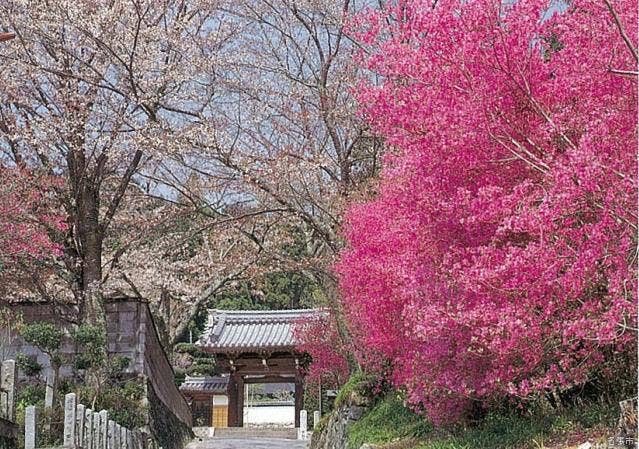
(180, 260)
(93, 93)
(499, 259)
(290, 147)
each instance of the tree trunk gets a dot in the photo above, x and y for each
(91, 240)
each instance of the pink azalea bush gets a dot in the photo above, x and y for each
(499, 258)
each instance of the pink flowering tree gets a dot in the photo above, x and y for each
(318, 337)
(27, 222)
(499, 257)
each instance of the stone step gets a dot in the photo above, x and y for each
(256, 432)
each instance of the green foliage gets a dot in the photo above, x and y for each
(290, 290)
(28, 365)
(124, 403)
(203, 369)
(275, 291)
(93, 342)
(193, 362)
(323, 422)
(360, 383)
(50, 422)
(116, 366)
(30, 394)
(387, 421)
(190, 349)
(45, 336)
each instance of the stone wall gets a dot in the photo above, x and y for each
(159, 371)
(60, 315)
(333, 429)
(166, 428)
(132, 334)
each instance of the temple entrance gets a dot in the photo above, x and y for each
(269, 405)
(253, 348)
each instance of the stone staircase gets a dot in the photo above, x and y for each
(248, 432)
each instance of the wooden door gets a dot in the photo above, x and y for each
(220, 416)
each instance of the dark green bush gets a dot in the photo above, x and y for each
(30, 394)
(28, 365)
(46, 336)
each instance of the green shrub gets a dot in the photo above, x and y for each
(30, 394)
(28, 365)
(92, 341)
(123, 402)
(389, 420)
(46, 336)
(189, 348)
(203, 369)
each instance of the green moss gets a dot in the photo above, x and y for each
(358, 382)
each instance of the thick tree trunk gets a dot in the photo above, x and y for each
(91, 239)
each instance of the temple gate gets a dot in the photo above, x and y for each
(254, 347)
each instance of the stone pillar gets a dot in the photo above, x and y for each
(124, 438)
(299, 399)
(316, 419)
(30, 430)
(88, 429)
(48, 390)
(79, 439)
(95, 437)
(240, 401)
(116, 436)
(70, 418)
(111, 434)
(303, 431)
(8, 376)
(104, 430)
(232, 393)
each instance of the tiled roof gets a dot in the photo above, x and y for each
(235, 330)
(205, 383)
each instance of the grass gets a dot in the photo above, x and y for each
(387, 421)
(390, 422)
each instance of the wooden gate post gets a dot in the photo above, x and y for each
(232, 392)
(299, 398)
(240, 401)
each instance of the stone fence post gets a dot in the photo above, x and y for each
(70, 417)
(303, 431)
(8, 375)
(30, 430)
(84, 429)
(316, 419)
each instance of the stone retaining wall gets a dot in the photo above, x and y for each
(132, 334)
